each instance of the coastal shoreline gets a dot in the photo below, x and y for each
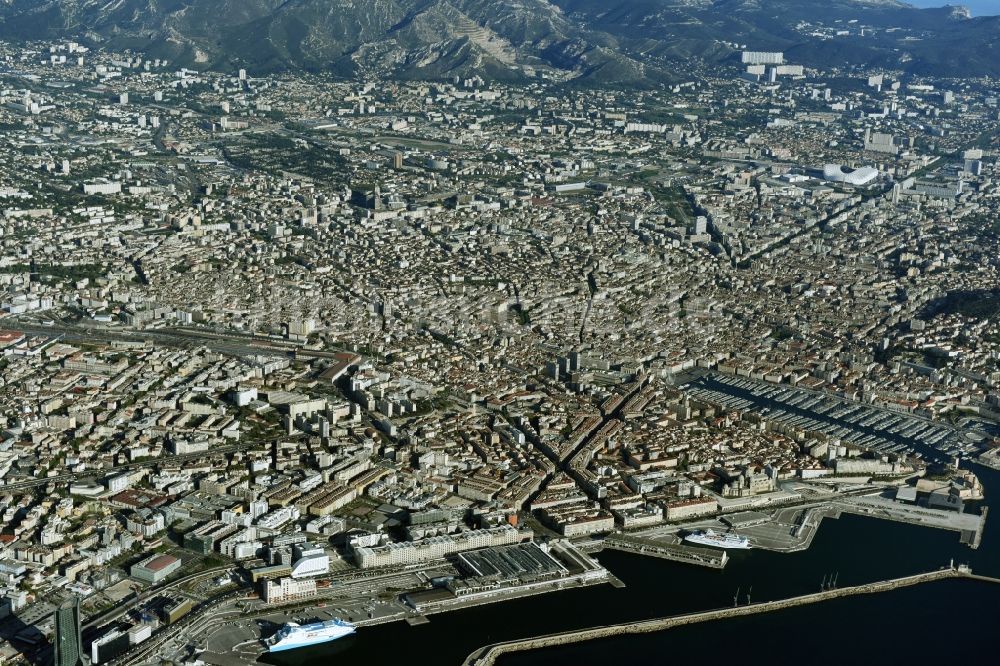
(488, 655)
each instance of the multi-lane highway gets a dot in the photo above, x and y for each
(147, 594)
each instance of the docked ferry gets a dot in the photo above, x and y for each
(294, 635)
(716, 540)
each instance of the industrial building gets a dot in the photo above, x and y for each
(155, 568)
(413, 552)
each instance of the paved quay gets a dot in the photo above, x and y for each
(706, 557)
(230, 634)
(792, 529)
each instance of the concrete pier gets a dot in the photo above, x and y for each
(977, 539)
(487, 656)
(706, 557)
(887, 509)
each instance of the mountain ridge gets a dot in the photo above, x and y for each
(638, 42)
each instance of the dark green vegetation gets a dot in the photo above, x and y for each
(675, 201)
(273, 152)
(638, 42)
(78, 272)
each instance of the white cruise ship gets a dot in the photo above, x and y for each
(294, 635)
(716, 540)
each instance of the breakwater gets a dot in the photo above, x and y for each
(487, 656)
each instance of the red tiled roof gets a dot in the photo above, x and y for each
(161, 562)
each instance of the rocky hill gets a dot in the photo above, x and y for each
(630, 42)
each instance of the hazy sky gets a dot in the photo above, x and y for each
(978, 7)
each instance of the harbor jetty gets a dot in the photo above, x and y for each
(487, 656)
